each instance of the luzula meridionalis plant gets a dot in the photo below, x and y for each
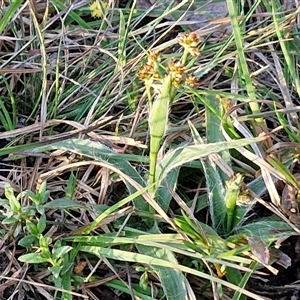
(98, 8)
(161, 88)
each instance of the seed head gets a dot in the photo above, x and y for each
(192, 81)
(177, 71)
(146, 72)
(97, 8)
(150, 69)
(189, 41)
(154, 57)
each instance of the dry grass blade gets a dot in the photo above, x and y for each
(292, 117)
(19, 71)
(137, 186)
(44, 286)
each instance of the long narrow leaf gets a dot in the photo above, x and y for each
(172, 280)
(7, 16)
(100, 152)
(145, 259)
(180, 156)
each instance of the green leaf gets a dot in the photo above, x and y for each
(60, 251)
(43, 194)
(33, 258)
(32, 228)
(180, 156)
(41, 225)
(56, 280)
(172, 280)
(10, 220)
(63, 203)
(13, 202)
(4, 202)
(68, 281)
(233, 275)
(144, 280)
(153, 261)
(27, 241)
(164, 196)
(55, 270)
(9, 14)
(215, 177)
(32, 196)
(267, 229)
(216, 195)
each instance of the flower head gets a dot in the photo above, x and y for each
(146, 72)
(150, 69)
(177, 71)
(189, 41)
(97, 8)
(192, 81)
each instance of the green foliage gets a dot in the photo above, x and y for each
(106, 203)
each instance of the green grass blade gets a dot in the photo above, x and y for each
(8, 15)
(135, 289)
(172, 280)
(182, 155)
(85, 230)
(145, 259)
(73, 15)
(238, 35)
(288, 60)
(6, 120)
(243, 281)
(123, 38)
(100, 152)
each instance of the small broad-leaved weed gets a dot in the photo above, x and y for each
(16, 214)
(55, 255)
(30, 220)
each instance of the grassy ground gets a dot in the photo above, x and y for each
(141, 160)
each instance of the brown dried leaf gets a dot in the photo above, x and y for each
(259, 249)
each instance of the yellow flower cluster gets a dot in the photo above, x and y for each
(177, 71)
(190, 42)
(97, 8)
(151, 71)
